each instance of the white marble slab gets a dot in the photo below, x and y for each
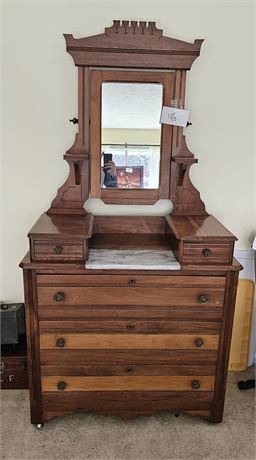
(131, 259)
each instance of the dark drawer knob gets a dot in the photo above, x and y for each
(60, 343)
(206, 252)
(199, 342)
(61, 386)
(130, 326)
(132, 281)
(74, 120)
(128, 370)
(195, 384)
(58, 249)
(203, 298)
(59, 296)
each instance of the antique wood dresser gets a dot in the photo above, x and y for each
(129, 341)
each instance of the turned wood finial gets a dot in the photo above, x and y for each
(133, 28)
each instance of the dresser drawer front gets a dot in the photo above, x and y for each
(193, 297)
(194, 253)
(61, 251)
(127, 383)
(128, 369)
(132, 280)
(127, 357)
(129, 341)
(131, 400)
(132, 326)
(81, 312)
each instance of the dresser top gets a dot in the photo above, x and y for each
(198, 228)
(63, 226)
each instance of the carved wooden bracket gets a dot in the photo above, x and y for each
(73, 193)
(183, 194)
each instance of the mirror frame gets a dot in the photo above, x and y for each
(136, 45)
(129, 196)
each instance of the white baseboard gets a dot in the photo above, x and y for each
(246, 259)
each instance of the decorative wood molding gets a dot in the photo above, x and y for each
(183, 194)
(121, 44)
(130, 44)
(72, 194)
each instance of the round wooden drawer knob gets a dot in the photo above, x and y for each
(61, 386)
(128, 370)
(59, 296)
(131, 281)
(58, 249)
(195, 384)
(60, 343)
(206, 252)
(203, 298)
(199, 342)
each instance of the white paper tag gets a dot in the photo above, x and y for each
(173, 116)
(128, 170)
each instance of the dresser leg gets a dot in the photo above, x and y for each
(215, 418)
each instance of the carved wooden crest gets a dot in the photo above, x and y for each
(118, 44)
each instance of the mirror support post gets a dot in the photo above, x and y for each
(73, 193)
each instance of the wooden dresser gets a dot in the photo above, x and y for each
(129, 342)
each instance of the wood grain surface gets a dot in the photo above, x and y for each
(127, 357)
(132, 295)
(128, 369)
(133, 326)
(127, 383)
(128, 341)
(138, 401)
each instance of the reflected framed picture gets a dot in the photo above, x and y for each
(129, 176)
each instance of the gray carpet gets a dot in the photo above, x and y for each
(163, 436)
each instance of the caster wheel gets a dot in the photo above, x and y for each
(176, 415)
(39, 426)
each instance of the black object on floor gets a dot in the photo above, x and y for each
(246, 384)
(14, 366)
(12, 323)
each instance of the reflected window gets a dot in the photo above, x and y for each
(137, 166)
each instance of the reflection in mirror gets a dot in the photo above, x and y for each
(131, 135)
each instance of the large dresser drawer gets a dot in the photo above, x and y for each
(127, 357)
(168, 296)
(86, 312)
(128, 369)
(127, 383)
(69, 341)
(137, 326)
(144, 401)
(132, 280)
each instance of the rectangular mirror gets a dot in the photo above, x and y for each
(130, 150)
(130, 135)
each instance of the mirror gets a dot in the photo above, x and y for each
(125, 109)
(130, 135)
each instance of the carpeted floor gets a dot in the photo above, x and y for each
(163, 436)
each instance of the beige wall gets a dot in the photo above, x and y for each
(40, 95)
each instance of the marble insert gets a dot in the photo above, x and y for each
(132, 259)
